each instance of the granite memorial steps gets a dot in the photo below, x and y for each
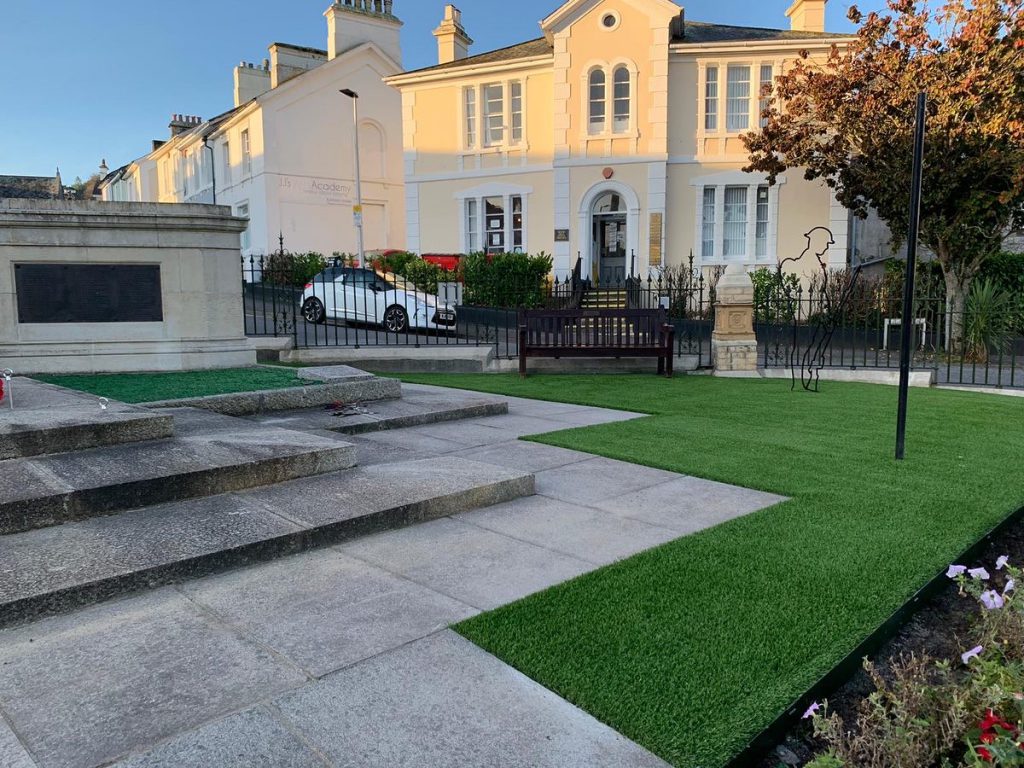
(209, 454)
(57, 569)
(414, 409)
(48, 419)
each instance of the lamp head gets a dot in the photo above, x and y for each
(350, 93)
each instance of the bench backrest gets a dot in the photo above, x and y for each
(618, 328)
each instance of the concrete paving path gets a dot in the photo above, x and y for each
(342, 656)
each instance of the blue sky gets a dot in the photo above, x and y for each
(88, 79)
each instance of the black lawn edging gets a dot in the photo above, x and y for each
(775, 733)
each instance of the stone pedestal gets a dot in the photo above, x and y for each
(733, 343)
(187, 314)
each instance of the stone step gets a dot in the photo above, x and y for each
(415, 409)
(209, 454)
(47, 419)
(53, 570)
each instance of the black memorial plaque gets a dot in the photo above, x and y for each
(89, 293)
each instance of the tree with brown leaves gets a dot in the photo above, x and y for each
(849, 121)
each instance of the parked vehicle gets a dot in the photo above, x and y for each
(365, 296)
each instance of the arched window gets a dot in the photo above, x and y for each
(610, 202)
(598, 102)
(621, 79)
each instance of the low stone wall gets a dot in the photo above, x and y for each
(88, 287)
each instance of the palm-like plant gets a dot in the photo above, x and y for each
(987, 321)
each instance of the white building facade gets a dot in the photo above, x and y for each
(284, 156)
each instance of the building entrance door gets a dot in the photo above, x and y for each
(609, 244)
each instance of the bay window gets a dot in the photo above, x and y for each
(736, 219)
(737, 115)
(500, 219)
(493, 115)
(711, 99)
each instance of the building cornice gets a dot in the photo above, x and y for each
(761, 46)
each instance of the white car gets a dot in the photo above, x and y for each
(365, 296)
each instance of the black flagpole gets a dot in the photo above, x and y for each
(913, 231)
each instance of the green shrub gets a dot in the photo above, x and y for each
(292, 269)
(987, 320)
(1007, 271)
(506, 279)
(775, 296)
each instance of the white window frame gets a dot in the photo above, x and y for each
(246, 153)
(226, 157)
(597, 127)
(758, 250)
(615, 100)
(478, 196)
(716, 93)
(733, 117)
(606, 129)
(475, 115)
(243, 210)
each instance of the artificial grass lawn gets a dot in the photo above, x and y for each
(150, 387)
(693, 648)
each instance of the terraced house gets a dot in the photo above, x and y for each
(612, 139)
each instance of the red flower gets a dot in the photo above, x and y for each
(984, 754)
(1, 390)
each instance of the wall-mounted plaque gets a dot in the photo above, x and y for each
(656, 232)
(561, 235)
(89, 293)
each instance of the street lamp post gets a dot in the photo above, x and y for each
(357, 211)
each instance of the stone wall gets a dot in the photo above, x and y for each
(196, 248)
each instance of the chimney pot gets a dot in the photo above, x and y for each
(807, 15)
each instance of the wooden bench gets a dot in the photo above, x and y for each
(596, 333)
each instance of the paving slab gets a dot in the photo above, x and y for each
(598, 479)
(473, 565)
(252, 739)
(55, 570)
(50, 419)
(348, 610)
(526, 456)
(466, 434)
(87, 688)
(413, 440)
(208, 455)
(593, 535)
(689, 504)
(334, 373)
(12, 753)
(413, 410)
(444, 703)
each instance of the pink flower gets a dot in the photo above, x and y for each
(956, 570)
(978, 573)
(1002, 562)
(812, 711)
(992, 600)
(974, 653)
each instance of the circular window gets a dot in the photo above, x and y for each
(610, 21)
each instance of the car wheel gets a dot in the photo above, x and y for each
(313, 311)
(396, 319)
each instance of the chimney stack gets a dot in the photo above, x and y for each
(351, 23)
(807, 15)
(452, 41)
(181, 123)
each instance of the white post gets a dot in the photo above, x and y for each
(357, 212)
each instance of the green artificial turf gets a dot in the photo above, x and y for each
(693, 648)
(150, 387)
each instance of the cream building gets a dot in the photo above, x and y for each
(284, 157)
(613, 138)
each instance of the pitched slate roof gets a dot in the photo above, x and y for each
(701, 32)
(529, 49)
(28, 187)
(696, 32)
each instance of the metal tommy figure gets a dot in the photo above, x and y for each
(827, 312)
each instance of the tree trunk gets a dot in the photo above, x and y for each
(957, 288)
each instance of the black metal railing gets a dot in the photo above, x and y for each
(344, 305)
(974, 346)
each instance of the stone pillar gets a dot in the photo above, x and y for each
(733, 344)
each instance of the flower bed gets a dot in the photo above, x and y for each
(948, 690)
